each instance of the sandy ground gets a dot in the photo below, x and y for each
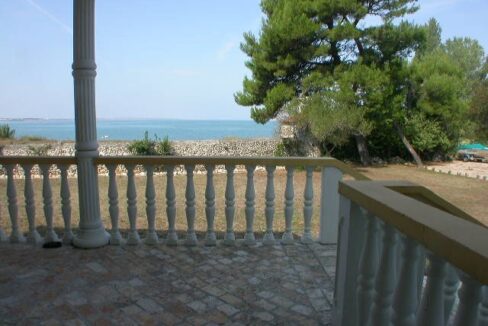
(469, 169)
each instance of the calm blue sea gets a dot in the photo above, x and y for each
(134, 129)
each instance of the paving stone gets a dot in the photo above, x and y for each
(166, 285)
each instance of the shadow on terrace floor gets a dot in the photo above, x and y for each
(167, 285)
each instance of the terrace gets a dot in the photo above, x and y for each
(351, 252)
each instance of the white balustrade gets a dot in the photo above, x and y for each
(249, 238)
(367, 268)
(329, 205)
(483, 308)
(15, 236)
(230, 237)
(269, 211)
(451, 285)
(382, 309)
(469, 301)
(113, 201)
(65, 194)
(151, 236)
(133, 238)
(210, 238)
(308, 206)
(30, 206)
(405, 301)
(431, 310)
(172, 238)
(287, 237)
(51, 235)
(191, 237)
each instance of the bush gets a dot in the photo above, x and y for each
(148, 146)
(6, 132)
(40, 150)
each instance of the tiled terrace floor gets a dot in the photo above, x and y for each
(286, 285)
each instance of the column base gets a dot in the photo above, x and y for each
(91, 238)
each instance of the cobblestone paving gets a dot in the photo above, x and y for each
(285, 285)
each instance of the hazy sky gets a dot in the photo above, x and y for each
(156, 58)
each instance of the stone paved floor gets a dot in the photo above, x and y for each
(286, 285)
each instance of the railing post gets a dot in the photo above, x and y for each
(172, 238)
(269, 238)
(113, 200)
(30, 207)
(329, 205)
(151, 236)
(13, 210)
(287, 237)
(48, 204)
(133, 238)
(66, 204)
(352, 227)
(469, 300)
(230, 237)
(431, 309)
(249, 239)
(210, 238)
(191, 237)
(91, 232)
(308, 206)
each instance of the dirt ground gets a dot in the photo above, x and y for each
(470, 169)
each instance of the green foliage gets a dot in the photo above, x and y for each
(468, 55)
(479, 111)
(148, 146)
(427, 135)
(280, 150)
(29, 138)
(6, 132)
(40, 150)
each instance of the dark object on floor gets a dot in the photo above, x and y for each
(52, 244)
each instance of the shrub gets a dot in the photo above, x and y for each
(40, 150)
(148, 146)
(280, 150)
(6, 132)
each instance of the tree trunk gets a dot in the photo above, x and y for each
(407, 144)
(363, 150)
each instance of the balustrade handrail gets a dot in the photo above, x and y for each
(462, 243)
(65, 160)
(227, 160)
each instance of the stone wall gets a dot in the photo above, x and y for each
(237, 147)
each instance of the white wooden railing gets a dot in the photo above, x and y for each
(332, 172)
(402, 261)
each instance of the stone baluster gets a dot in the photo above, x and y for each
(113, 201)
(308, 206)
(210, 238)
(65, 194)
(405, 301)
(287, 237)
(3, 236)
(382, 309)
(230, 237)
(172, 239)
(133, 238)
(483, 308)
(269, 238)
(30, 207)
(15, 236)
(47, 197)
(329, 205)
(151, 237)
(431, 309)
(451, 285)
(469, 301)
(191, 237)
(249, 238)
(367, 268)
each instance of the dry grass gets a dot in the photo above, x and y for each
(467, 194)
(470, 195)
(180, 185)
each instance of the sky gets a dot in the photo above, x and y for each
(156, 58)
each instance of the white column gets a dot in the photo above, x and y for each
(210, 238)
(287, 237)
(66, 205)
(151, 236)
(308, 206)
(191, 237)
(269, 238)
(172, 238)
(113, 201)
(30, 207)
(249, 239)
(47, 197)
(329, 205)
(13, 210)
(91, 233)
(133, 238)
(230, 237)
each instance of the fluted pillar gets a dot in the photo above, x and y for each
(91, 233)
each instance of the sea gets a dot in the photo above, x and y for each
(61, 129)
